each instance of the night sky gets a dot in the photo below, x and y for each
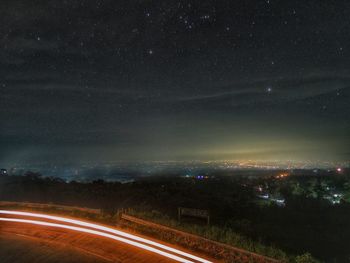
(117, 80)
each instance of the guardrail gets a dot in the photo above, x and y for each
(223, 251)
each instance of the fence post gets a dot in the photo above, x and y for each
(179, 214)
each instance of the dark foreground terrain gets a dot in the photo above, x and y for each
(306, 222)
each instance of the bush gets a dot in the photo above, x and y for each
(305, 258)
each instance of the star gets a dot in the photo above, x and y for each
(208, 61)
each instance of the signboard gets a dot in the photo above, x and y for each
(192, 212)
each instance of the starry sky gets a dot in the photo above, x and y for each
(107, 80)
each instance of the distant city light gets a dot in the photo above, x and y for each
(339, 170)
(282, 175)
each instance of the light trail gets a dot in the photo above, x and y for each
(99, 233)
(106, 229)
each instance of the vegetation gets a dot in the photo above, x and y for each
(305, 258)
(221, 234)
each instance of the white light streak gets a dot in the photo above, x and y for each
(98, 233)
(106, 229)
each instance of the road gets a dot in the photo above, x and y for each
(54, 238)
(17, 248)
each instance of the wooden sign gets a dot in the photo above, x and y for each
(192, 212)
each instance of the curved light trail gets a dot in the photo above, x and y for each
(103, 228)
(99, 233)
